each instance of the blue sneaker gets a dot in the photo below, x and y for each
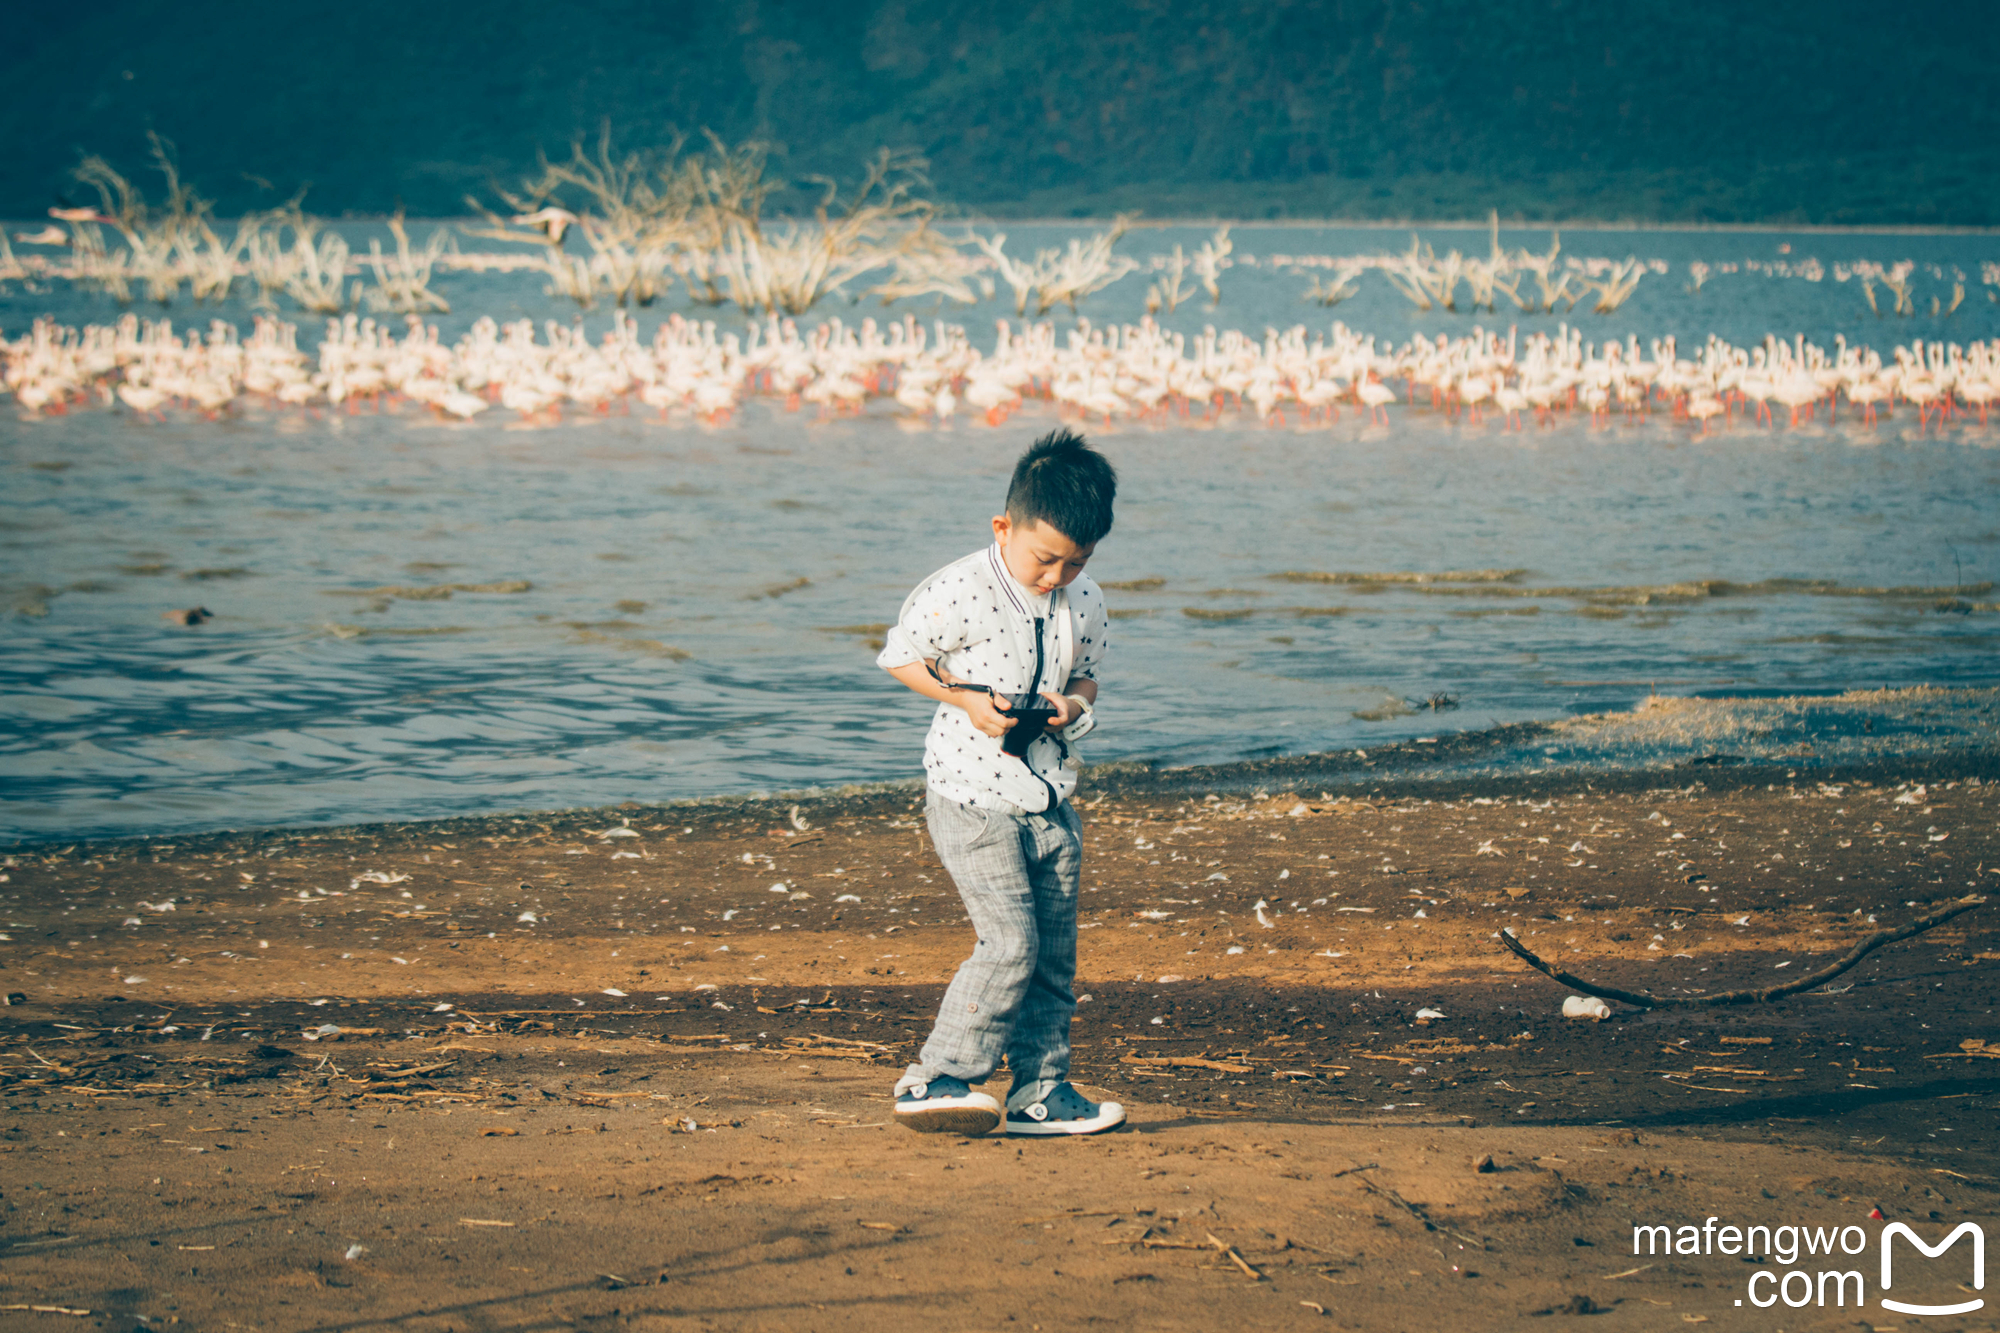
(1058, 1108)
(944, 1105)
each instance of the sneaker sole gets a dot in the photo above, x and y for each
(968, 1120)
(1050, 1127)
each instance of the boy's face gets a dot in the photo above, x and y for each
(1038, 556)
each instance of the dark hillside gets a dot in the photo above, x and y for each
(1829, 111)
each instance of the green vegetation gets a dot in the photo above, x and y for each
(1696, 110)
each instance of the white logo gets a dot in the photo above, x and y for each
(1895, 1229)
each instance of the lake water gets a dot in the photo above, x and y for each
(695, 607)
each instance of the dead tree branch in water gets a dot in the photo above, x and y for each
(1758, 995)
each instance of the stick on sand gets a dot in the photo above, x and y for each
(1757, 995)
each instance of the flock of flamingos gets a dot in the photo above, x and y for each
(1131, 373)
(650, 217)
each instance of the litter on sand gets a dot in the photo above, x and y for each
(1586, 1006)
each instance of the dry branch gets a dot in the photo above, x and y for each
(1414, 1211)
(1229, 1252)
(1185, 1062)
(1755, 995)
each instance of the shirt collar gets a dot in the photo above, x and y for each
(1023, 597)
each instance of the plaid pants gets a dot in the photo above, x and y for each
(1013, 997)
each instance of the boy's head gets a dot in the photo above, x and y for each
(1058, 508)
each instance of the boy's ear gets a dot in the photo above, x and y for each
(1001, 527)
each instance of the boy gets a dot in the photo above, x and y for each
(1008, 641)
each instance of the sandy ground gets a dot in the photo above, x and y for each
(632, 1068)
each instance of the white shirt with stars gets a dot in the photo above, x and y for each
(978, 623)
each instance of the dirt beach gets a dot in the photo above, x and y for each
(630, 1068)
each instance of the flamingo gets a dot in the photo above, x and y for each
(141, 398)
(1376, 397)
(1795, 391)
(555, 221)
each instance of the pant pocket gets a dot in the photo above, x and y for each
(991, 827)
(959, 827)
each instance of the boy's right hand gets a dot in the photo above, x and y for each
(987, 714)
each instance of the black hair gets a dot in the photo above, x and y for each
(1063, 482)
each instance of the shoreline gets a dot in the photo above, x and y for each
(1665, 742)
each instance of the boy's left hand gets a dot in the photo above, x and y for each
(1066, 710)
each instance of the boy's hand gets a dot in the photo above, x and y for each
(987, 714)
(1066, 710)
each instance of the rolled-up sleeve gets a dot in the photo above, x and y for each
(936, 619)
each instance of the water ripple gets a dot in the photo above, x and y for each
(414, 623)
